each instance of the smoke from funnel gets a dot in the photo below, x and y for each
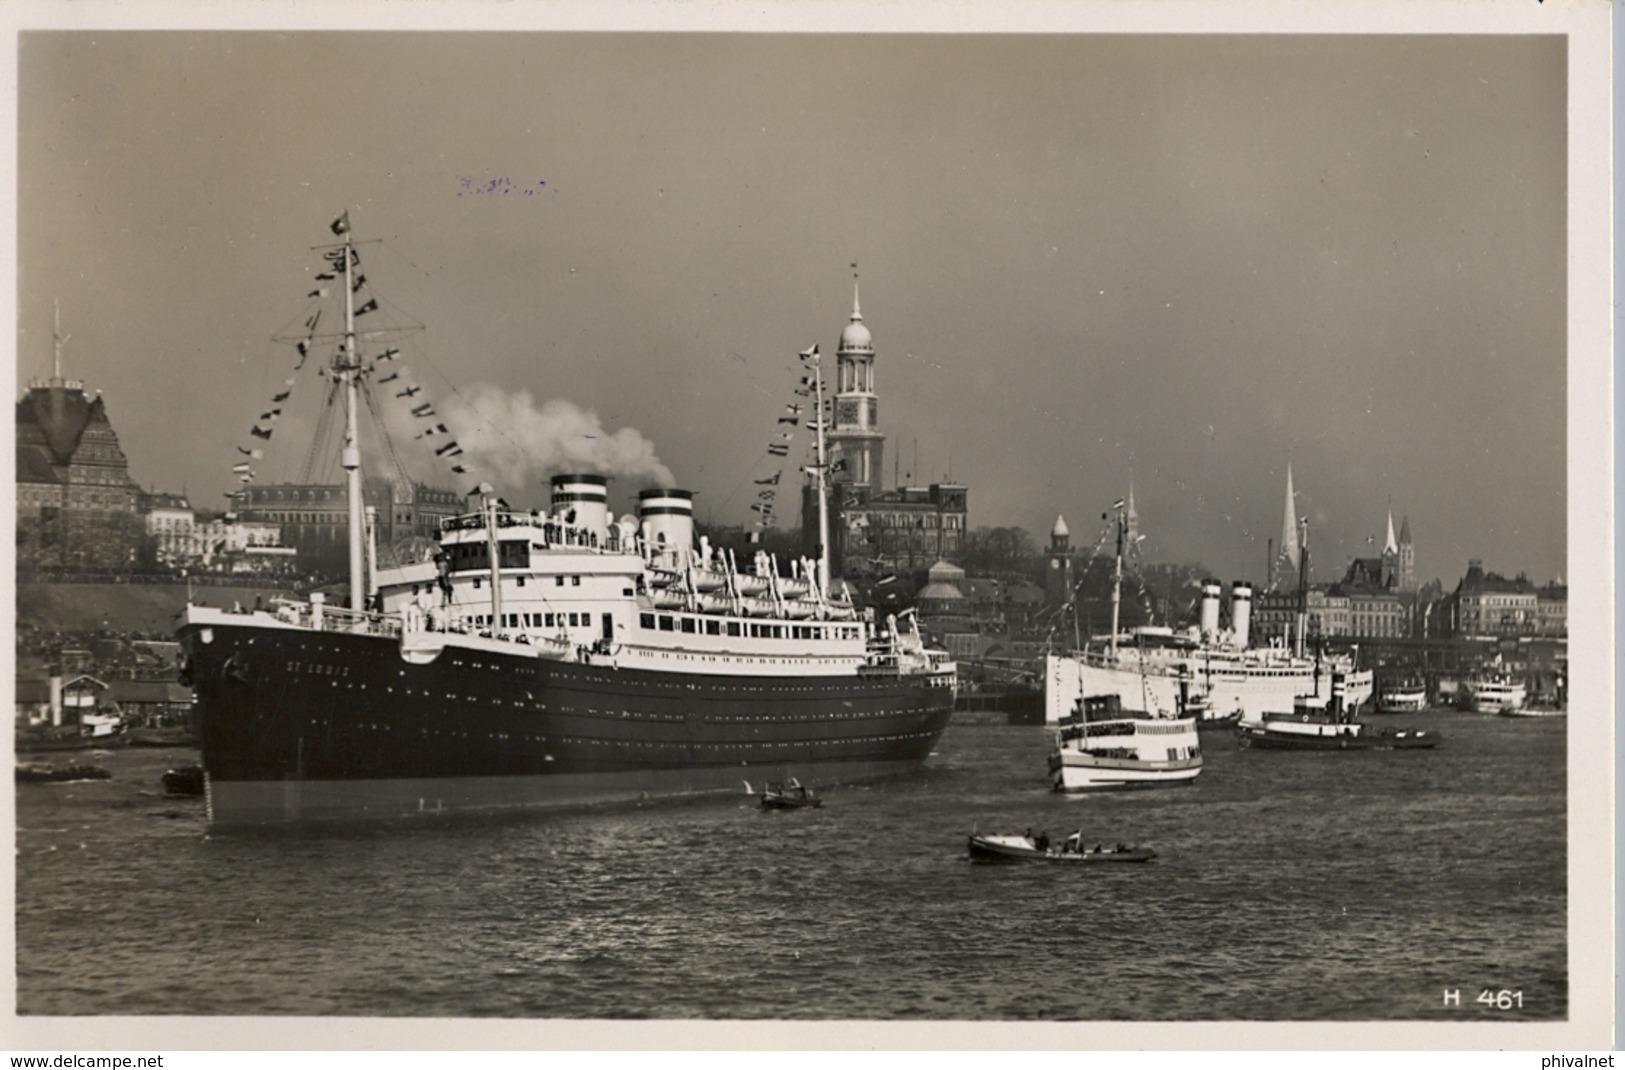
(507, 437)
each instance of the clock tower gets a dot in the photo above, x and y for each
(855, 439)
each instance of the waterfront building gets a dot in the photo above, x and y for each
(1377, 612)
(313, 517)
(221, 543)
(171, 525)
(1329, 614)
(1552, 610)
(77, 506)
(873, 531)
(1489, 604)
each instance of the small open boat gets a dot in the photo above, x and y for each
(186, 780)
(992, 848)
(791, 795)
(46, 773)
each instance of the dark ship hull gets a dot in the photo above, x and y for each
(297, 725)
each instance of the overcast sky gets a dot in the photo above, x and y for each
(1192, 259)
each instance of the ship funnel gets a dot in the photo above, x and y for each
(1210, 609)
(1241, 612)
(585, 496)
(667, 517)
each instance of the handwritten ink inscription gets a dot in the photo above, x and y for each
(495, 187)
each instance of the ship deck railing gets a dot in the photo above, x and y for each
(554, 533)
(339, 619)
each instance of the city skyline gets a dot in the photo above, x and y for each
(1219, 257)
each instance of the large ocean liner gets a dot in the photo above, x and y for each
(1204, 671)
(550, 658)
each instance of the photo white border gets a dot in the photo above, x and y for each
(1591, 743)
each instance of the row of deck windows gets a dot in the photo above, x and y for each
(667, 623)
(533, 620)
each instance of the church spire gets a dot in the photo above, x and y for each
(1390, 545)
(1289, 525)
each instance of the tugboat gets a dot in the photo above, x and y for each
(1325, 723)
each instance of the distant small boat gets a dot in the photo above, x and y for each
(101, 734)
(186, 780)
(162, 737)
(1533, 711)
(792, 795)
(1224, 721)
(994, 848)
(45, 773)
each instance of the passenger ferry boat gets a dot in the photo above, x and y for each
(1404, 695)
(1203, 672)
(553, 658)
(1100, 745)
(1492, 693)
(1104, 747)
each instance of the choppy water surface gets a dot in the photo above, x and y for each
(1346, 886)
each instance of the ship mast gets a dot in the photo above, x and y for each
(821, 476)
(347, 367)
(490, 510)
(57, 340)
(1302, 625)
(1117, 573)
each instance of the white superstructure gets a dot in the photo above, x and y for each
(1101, 746)
(1493, 694)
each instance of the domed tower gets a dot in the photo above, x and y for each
(854, 437)
(1058, 577)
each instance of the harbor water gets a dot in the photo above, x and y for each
(1288, 886)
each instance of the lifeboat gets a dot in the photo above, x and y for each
(750, 585)
(716, 603)
(668, 598)
(757, 607)
(800, 610)
(708, 579)
(662, 577)
(793, 587)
